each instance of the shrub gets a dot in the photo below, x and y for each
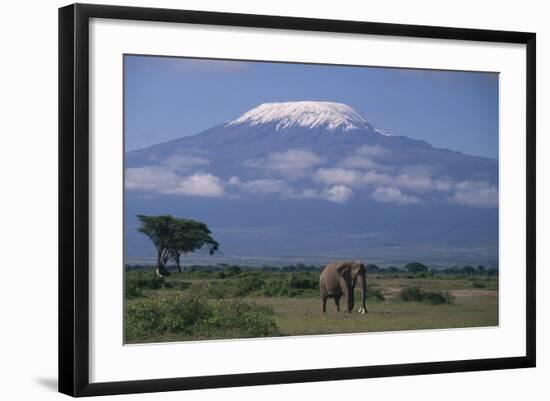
(230, 271)
(180, 315)
(192, 316)
(303, 281)
(437, 297)
(478, 284)
(375, 294)
(468, 270)
(142, 318)
(137, 281)
(220, 289)
(415, 294)
(241, 319)
(248, 284)
(416, 267)
(408, 294)
(273, 287)
(131, 290)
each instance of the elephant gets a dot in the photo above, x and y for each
(340, 278)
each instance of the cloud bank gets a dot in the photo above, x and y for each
(303, 174)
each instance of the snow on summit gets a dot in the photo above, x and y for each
(304, 114)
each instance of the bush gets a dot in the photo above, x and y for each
(137, 281)
(220, 289)
(468, 270)
(375, 294)
(230, 271)
(437, 297)
(416, 267)
(248, 284)
(131, 290)
(478, 284)
(303, 281)
(409, 294)
(415, 294)
(142, 319)
(193, 317)
(274, 287)
(241, 319)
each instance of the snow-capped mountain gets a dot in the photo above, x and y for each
(329, 115)
(286, 169)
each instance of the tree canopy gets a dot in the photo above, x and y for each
(173, 237)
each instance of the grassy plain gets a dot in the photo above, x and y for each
(201, 304)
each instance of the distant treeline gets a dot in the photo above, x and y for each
(416, 268)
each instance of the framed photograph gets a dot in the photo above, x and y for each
(249, 199)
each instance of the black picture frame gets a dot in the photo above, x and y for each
(74, 198)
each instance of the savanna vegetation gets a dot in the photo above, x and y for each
(229, 301)
(167, 302)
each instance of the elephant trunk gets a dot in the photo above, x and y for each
(350, 298)
(363, 288)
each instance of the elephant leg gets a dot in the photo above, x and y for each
(347, 291)
(337, 302)
(324, 303)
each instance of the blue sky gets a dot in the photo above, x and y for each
(168, 98)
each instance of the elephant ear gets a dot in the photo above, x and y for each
(344, 270)
(359, 267)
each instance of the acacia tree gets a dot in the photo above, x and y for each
(173, 237)
(160, 230)
(189, 236)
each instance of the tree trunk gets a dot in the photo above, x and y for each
(161, 261)
(178, 263)
(157, 270)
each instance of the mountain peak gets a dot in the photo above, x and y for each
(308, 114)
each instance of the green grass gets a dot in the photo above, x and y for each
(243, 304)
(304, 316)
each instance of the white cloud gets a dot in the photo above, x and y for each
(199, 184)
(293, 162)
(408, 185)
(375, 178)
(393, 195)
(165, 181)
(475, 193)
(273, 186)
(418, 181)
(337, 176)
(150, 178)
(338, 194)
(362, 158)
(234, 181)
(414, 182)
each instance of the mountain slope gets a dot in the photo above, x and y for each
(298, 157)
